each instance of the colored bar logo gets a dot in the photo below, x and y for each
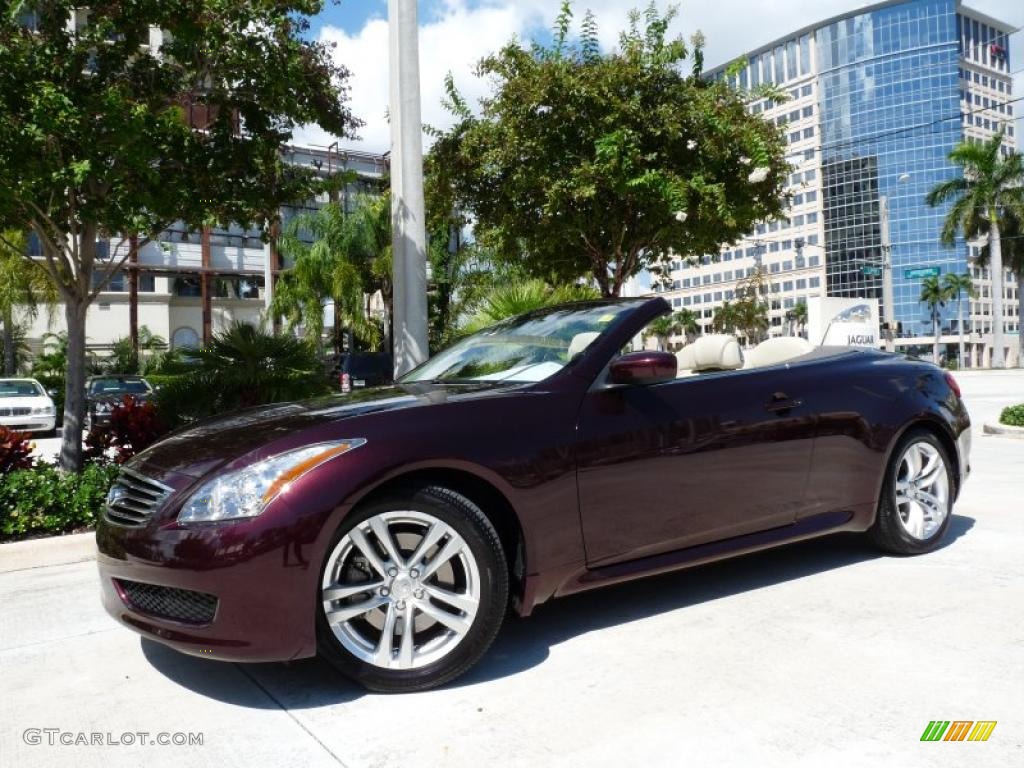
(958, 730)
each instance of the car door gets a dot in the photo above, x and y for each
(690, 461)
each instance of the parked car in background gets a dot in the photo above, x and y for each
(391, 530)
(103, 393)
(26, 406)
(357, 370)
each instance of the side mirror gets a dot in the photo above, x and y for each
(643, 368)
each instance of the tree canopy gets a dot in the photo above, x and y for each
(584, 163)
(109, 128)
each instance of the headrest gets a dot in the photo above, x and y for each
(777, 350)
(580, 342)
(714, 352)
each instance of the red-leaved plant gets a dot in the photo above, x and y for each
(15, 450)
(133, 427)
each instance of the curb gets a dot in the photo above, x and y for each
(1004, 430)
(42, 553)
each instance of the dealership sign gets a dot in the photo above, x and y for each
(837, 322)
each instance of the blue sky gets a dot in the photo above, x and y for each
(456, 34)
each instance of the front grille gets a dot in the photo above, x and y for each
(169, 602)
(15, 411)
(133, 499)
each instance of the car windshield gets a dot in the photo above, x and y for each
(528, 348)
(20, 388)
(116, 386)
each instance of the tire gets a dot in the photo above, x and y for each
(447, 639)
(907, 524)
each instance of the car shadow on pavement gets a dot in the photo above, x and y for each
(525, 643)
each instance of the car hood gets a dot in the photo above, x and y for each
(204, 446)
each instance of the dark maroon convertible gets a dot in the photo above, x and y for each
(391, 530)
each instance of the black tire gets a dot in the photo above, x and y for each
(888, 532)
(476, 530)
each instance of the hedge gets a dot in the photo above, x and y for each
(1013, 416)
(43, 500)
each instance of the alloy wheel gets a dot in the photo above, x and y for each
(922, 490)
(401, 590)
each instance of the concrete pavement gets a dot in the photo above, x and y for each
(819, 653)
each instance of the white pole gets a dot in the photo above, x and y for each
(887, 291)
(407, 216)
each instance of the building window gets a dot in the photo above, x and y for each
(814, 282)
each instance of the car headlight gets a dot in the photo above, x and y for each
(104, 408)
(246, 492)
(42, 410)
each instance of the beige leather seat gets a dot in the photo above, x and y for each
(580, 342)
(776, 351)
(714, 352)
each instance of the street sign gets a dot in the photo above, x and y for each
(910, 274)
(871, 271)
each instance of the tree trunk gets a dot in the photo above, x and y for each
(1020, 321)
(936, 330)
(9, 366)
(960, 328)
(996, 267)
(75, 309)
(338, 335)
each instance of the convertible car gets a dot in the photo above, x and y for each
(392, 530)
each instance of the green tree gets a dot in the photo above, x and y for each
(24, 286)
(98, 133)
(797, 318)
(990, 186)
(1012, 244)
(957, 285)
(511, 299)
(345, 264)
(124, 359)
(665, 327)
(582, 163)
(935, 294)
(725, 318)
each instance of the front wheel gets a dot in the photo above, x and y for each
(917, 496)
(413, 591)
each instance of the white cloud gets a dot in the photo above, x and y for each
(456, 34)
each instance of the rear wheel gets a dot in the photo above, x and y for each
(413, 591)
(917, 496)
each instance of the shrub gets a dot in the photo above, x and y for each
(45, 500)
(133, 427)
(15, 450)
(243, 366)
(1013, 416)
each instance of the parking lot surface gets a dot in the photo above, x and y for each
(821, 653)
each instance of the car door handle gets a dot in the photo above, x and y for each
(780, 401)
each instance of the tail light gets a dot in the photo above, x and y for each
(346, 383)
(952, 383)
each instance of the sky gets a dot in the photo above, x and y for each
(456, 34)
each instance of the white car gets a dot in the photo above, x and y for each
(25, 406)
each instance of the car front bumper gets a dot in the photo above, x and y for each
(37, 423)
(159, 580)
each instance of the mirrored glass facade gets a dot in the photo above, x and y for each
(888, 84)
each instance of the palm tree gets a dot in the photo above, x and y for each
(243, 366)
(957, 285)
(725, 318)
(509, 300)
(1012, 242)
(935, 295)
(663, 329)
(797, 318)
(991, 184)
(688, 324)
(23, 287)
(347, 262)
